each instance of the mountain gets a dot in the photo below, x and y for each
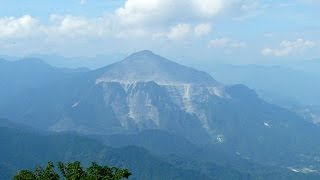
(5, 123)
(27, 73)
(294, 86)
(143, 91)
(310, 66)
(31, 89)
(148, 92)
(156, 141)
(92, 62)
(76, 62)
(25, 150)
(286, 86)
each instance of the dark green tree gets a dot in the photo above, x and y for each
(106, 173)
(40, 173)
(48, 173)
(74, 171)
(25, 175)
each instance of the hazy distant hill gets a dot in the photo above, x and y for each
(278, 84)
(21, 149)
(148, 92)
(25, 150)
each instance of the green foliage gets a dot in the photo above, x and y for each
(74, 171)
(104, 173)
(47, 173)
(40, 173)
(25, 175)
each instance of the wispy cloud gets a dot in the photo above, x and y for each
(287, 48)
(202, 29)
(227, 43)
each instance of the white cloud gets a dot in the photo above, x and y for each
(184, 31)
(288, 48)
(155, 12)
(180, 31)
(73, 26)
(227, 43)
(149, 20)
(11, 27)
(179, 19)
(209, 8)
(202, 29)
(58, 26)
(176, 17)
(142, 12)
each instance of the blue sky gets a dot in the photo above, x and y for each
(240, 31)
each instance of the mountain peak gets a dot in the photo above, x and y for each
(145, 56)
(146, 66)
(143, 52)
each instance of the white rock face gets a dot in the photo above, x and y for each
(189, 96)
(140, 107)
(132, 104)
(136, 102)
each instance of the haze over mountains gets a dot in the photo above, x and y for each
(300, 85)
(22, 149)
(146, 93)
(294, 86)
